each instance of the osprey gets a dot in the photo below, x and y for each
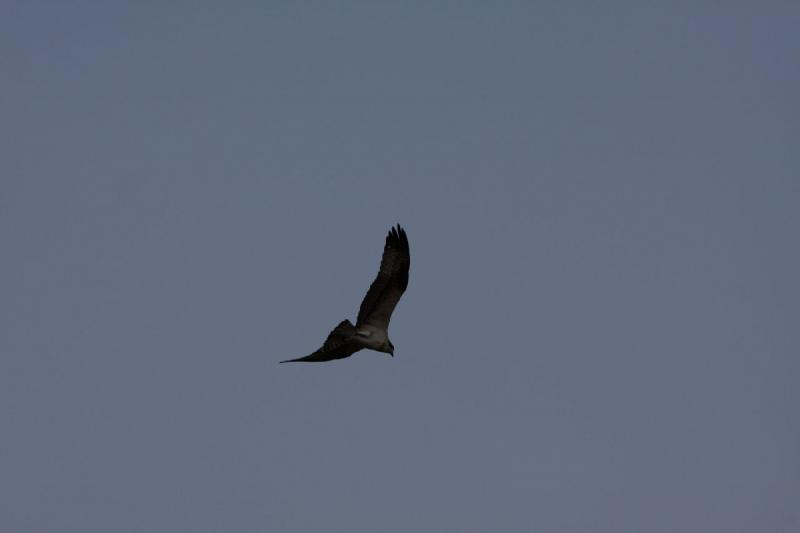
(372, 326)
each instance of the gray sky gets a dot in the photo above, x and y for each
(601, 328)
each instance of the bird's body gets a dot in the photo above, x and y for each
(372, 326)
(372, 337)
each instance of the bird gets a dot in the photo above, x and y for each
(371, 330)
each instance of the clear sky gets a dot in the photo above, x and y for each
(601, 331)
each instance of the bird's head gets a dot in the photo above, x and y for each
(388, 348)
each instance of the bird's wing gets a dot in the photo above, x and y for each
(341, 343)
(390, 284)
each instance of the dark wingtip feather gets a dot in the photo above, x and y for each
(298, 360)
(402, 238)
(392, 237)
(397, 237)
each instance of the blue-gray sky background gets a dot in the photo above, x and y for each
(601, 329)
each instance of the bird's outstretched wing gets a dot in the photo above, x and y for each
(384, 293)
(341, 343)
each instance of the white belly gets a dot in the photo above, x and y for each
(372, 337)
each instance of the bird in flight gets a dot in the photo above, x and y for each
(372, 325)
